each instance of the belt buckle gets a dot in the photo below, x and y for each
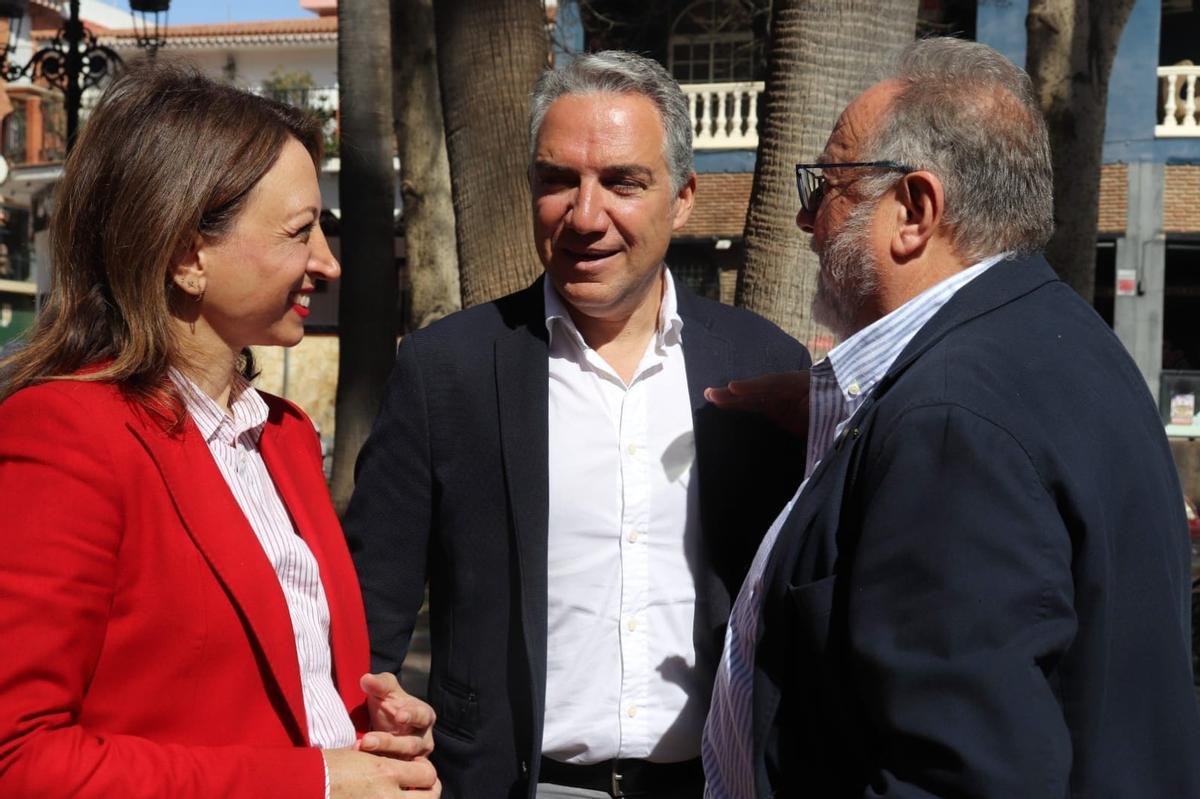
(617, 790)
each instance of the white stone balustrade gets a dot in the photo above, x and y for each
(724, 115)
(1179, 101)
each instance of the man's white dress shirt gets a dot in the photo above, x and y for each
(620, 678)
(840, 383)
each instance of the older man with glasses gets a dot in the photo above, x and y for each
(981, 587)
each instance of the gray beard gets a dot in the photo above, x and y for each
(848, 274)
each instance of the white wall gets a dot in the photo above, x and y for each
(254, 65)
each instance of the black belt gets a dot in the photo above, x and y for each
(626, 777)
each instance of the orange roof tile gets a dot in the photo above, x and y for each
(720, 207)
(272, 30)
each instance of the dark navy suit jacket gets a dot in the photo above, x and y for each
(452, 487)
(983, 591)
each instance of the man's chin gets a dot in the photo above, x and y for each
(581, 292)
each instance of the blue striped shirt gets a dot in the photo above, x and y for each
(839, 385)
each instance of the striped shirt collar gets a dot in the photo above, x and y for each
(247, 409)
(862, 360)
(842, 380)
(670, 323)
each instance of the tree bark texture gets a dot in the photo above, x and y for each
(1071, 47)
(821, 54)
(430, 249)
(489, 54)
(367, 313)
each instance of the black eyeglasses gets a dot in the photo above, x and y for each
(811, 185)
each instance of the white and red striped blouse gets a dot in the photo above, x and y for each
(233, 440)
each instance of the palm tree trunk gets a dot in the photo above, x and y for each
(820, 55)
(424, 169)
(1072, 44)
(367, 317)
(489, 54)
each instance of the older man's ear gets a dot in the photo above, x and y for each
(920, 205)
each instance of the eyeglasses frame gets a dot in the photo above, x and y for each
(818, 181)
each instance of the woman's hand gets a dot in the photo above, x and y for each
(358, 775)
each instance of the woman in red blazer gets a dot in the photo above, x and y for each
(157, 639)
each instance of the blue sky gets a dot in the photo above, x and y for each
(188, 12)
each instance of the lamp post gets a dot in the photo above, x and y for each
(150, 23)
(74, 61)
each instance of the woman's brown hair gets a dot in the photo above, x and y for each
(167, 154)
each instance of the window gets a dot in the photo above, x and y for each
(712, 41)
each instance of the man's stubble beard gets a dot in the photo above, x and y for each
(847, 275)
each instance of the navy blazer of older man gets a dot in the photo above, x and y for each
(984, 589)
(452, 486)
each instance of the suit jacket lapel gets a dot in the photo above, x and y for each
(816, 556)
(707, 359)
(706, 356)
(522, 394)
(221, 533)
(302, 487)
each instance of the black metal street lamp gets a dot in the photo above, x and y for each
(74, 61)
(150, 23)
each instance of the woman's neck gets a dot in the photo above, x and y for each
(206, 359)
(211, 370)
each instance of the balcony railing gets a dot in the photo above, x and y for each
(724, 115)
(1178, 85)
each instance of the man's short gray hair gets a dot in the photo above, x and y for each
(619, 72)
(968, 114)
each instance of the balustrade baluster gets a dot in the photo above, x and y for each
(710, 130)
(717, 116)
(693, 101)
(752, 116)
(1189, 102)
(736, 134)
(1169, 117)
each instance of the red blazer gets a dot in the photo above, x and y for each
(147, 648)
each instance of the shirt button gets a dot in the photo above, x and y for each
(632, 711)
(631, 624)
(853, 389)
(631, 449)
(633, 536)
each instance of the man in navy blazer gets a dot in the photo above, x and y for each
(548, 463)
(981, 589)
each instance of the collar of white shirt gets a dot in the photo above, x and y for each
(670, 324)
